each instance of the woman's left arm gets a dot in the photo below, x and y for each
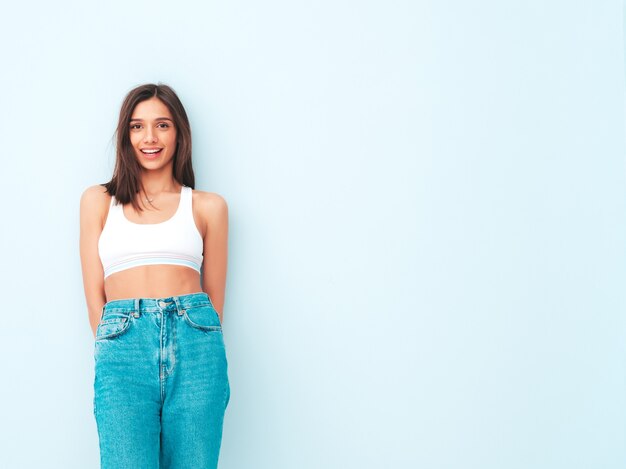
(215, 212)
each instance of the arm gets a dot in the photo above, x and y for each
(93, 274)
(215, 211)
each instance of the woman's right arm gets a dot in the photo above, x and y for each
(91, 216)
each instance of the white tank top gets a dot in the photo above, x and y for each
(124, 244)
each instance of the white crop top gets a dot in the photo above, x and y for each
(124, 244)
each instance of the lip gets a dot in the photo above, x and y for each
(151, 156)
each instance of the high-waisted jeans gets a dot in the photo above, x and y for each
(161, 384)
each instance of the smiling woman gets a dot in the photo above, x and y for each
(153, 254)
(146, 130)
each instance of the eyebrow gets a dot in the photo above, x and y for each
(157, 119)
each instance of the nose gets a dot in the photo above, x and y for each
(149, 137)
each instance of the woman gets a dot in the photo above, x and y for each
(153, 255)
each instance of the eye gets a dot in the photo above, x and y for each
(163, 124)
(134, 126)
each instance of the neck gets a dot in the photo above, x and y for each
(155, 184)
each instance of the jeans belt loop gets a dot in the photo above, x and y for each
(179, 308)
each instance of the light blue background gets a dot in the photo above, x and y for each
(427, 238)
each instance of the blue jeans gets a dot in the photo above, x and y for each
(161, 384)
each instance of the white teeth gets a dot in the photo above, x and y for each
(151, 151)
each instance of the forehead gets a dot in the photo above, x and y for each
(150, 108)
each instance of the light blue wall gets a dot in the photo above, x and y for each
(427, 236)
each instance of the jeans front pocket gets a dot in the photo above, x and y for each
(203, 317)
(113, 324)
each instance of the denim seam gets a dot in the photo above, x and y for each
(199, 326)
(125, 325)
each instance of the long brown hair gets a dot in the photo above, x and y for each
(125, 182)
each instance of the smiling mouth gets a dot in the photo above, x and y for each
(152, 152)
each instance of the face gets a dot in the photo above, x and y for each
(152, 134)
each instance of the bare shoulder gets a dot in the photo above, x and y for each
(212, 209)
(94, 195)
(209, 201)
(94, 202)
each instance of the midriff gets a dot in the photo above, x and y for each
(152, 281)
